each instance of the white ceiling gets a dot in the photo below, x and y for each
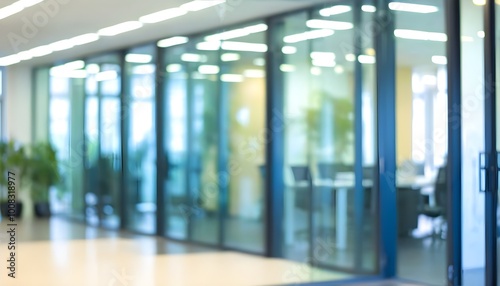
(75, 17)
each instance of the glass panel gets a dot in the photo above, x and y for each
(140, 118)
(177, 203)
(330, 208)
(102, 132)
(243, 91)
(203, 140)
(472, 83)
(421, 118)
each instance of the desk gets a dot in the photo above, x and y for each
(340, 187)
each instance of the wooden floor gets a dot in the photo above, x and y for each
(58, 252)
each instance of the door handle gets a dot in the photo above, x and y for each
(482, 172)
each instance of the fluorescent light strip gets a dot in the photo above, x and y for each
(62, 45)
(194, 58)
(245, 47)
(9, 60)
(93, 68)
(208, 46)
(308, 35)
(198, 5)
(25, 55)
(236, 33)
(287, 68)
(420, 35)
(144, 69)
(323, 56)
(41, 51)
(208, 69)
(138, 58)
(173, 41)
(414, 8)
(335, 10)
(231, 77)
(254, 73)
(230, 57)
(174, 68)
(17, 7)
(365, 59)
(439, 60)
(162, 15)
(369, 8)
(120, 28)
(326, 24)
(84, 39)
(106, 75)
(322, 63)
(289, 50)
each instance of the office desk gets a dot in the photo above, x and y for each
(341, 187)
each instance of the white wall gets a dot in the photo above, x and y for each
(17, 109)
(18, 114)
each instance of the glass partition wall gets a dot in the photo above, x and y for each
(177, 135)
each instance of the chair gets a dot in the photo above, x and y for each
(438, 210)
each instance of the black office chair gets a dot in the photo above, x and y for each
(438, 210)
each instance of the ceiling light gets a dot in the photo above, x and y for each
(208, 46)
(242, 46)
(208, 69)
(174, 68)
(325, 56)
(254, 73)
(326, 24)
(479, 2)
(339, 69)
(236, 33)
(62, 45)
(308, 35)
(74, 65)
(231, 78)
(120, 28)
(287, 68)
(77, 74)
(41, 51)
(84, 39)
(365, 59)
(138, 58)
(420, 35)
(93, 68)
(173, 41)
(25, 55)
(260, 62)
(144, 69)
(289, 50)
(350, 57)
(322, 63)
(480, 34)
(9, 60)
(58, 72)
(106, 75)
(195, 58)
(198, 5)
(230, 57)
(415, 8)
(162, 15)
(370, 51)
(439, 60)
(369, 8)
(315, 71)
(335, 10)
(11, 10)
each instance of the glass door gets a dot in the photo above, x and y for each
(103, 145)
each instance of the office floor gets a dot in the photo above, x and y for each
(58, 252)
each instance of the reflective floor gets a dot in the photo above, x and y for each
(59, 252)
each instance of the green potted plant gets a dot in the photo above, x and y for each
(42, 173)
(13, 160)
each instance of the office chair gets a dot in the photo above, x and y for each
(438, 210)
